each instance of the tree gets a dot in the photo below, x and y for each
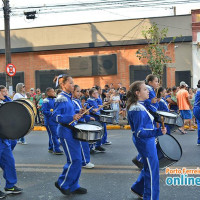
(155, 52)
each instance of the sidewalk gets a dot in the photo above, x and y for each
(122, 125)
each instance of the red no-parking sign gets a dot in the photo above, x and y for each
(10, 69)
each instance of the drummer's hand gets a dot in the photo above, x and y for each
(77, 117)
(81, 110)
(164, 130)
(154, 100)
(95, 110)
(92, 118)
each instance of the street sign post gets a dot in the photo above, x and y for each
(10, 69)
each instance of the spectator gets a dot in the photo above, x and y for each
(173, 104)
(20, 94)
(115, 106)
(123, 102)
(104, 91)
(119, 86)
(37, 98)
(40, 109)
(184, 106)
(112, 86)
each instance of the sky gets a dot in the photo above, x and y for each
(18, 19)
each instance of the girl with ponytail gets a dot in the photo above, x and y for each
(144, 133)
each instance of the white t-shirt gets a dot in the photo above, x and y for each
(19, 96)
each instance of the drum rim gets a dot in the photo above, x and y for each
(165, 153)
(89, 125)
(30, 103)
(160, 113)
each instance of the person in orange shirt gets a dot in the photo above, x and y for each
(184, 106)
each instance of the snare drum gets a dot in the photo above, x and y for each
(172, 119)
(169, 150)
(106, 119)
(87, 132)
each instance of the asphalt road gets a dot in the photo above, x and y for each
(112, 177)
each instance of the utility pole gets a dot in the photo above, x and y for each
(6, 10)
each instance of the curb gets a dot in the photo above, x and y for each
(109, 127)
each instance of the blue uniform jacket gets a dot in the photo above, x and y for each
(197, 99)
(48, 106)
(7, 99)
(163, 105)
(63, 113)
(78, 106)
(142, 126)
(92, 102)
(147, 103)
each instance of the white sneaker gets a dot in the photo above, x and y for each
(88, 166)
(24, 143)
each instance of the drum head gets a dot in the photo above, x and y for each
(88, 127)
(170, 147)
(95, 123)
(166, 114)
(15, 120)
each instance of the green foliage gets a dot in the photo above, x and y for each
(155, 52)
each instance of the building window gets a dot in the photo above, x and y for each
(44, 78)
(18, 78)
(96, 65)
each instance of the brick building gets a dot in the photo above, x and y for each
(95, 53)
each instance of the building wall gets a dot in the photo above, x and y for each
(49, 60)
(124, 31)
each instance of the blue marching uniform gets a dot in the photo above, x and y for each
(51, 126)
(144, 133)
(7, 162)
(85, 149)
(105, 135)
(95, 103)
(152, 107)
(63, 113)
(163, 106)
(196, 111)
(12, 142)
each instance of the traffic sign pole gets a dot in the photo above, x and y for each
(6, 10)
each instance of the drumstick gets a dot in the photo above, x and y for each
(162, 121)
(81, 115)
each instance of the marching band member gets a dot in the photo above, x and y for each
(6, 98)
(151, 105)
(95, 111)
(162, 103)
(144, 133)
(7, 164)
(51, 126)
(64, 113)
(196, 111)
(100, 103)
(85, 149)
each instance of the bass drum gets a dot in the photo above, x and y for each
(16, 120)
(169, 150)
(29, 103)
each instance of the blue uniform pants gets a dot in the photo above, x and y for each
(53, 138)
(85, 150)
(196, 112)
(7, 163)
(13, 144)
(69, 179)
(104, 138)
(147, 183)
